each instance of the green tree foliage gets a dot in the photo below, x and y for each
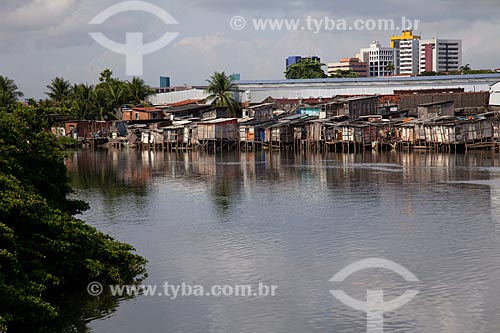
(465, 68)
(44, 250)
(221, 90)
(59, 90)
(479, 71)
(96, 102)
(428, 74)
(305, 69)
(29, 154)
(111, 94)
(83, 105)
(390, 67)
(138, 91)
(9, 92)
(344, 74)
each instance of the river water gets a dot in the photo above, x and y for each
(294, 221)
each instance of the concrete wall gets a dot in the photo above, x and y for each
(176, 96)
(461, 100)
(438, 110)
(257, 91)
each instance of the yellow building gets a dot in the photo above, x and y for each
(407, 53)
(406, 35)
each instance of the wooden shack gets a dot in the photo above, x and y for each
(250, 131)
(219, 129)
(290, 129)
(179, 134)
(407, 131)
(151, 137)
(85, 129)
(360, 134)
(261, 112)
(215, 113)
(354, 107)
(436, 109)
(282, 133)
(314, 130)
(444, 132)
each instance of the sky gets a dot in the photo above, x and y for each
(44, 39)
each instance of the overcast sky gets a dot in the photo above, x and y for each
(42, 39)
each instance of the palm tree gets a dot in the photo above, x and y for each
(138, 90)
(118, 95)
(59, 89)
(109, 97)
(99, 102)
(465, 68)
(9, 93)
(110, 94)
(82, 101)
(390, 68)
(220, 87)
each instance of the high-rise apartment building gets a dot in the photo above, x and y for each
(407, 52)
(440, 55)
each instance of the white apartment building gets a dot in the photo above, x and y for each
(409, 57)
(407, 52)
(378, 59)
(440, 55)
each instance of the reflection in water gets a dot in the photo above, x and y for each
(294, 220)
(78, 309)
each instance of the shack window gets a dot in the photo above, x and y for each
(137, 116)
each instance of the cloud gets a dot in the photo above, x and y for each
(34, 14)
(463, 9)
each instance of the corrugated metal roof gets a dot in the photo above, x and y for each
(435, 103)
(317, 100)
(186, 102)
(145, 109)
(218, 120)
(263, 105)
(294, 117)
(185, 108)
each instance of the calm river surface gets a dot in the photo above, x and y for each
(294, 221)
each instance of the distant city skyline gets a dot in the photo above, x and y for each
(42, 39)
